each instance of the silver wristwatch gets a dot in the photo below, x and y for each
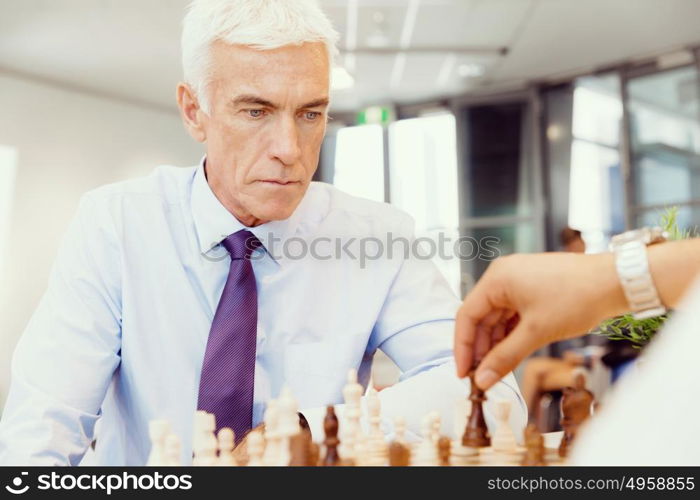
(633, 270)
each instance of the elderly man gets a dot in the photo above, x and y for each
(190, 288)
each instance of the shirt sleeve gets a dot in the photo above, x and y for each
(65, 358)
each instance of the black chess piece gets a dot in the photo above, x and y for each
(575, 409)
(330, 427)
(476, 434)
(534, 447)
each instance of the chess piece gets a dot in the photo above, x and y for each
(172, 450)
(503, 439)
(204, 442)
(426, 451)
(315, 452)
(575, 409)
(374, 412)
(226, 441)
(362, 457)
(288, 426)
(289, 415)
(461, 455)
(476, 434)
(158, 430)
(399, 452)
(462, 409)
(534, 447)
(256, 448)
(300, 450)
(377, 452)
(442, 443)
(351, 430)
(330, 427)
(444, 446)
(272, 454)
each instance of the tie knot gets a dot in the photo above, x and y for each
(241, 244)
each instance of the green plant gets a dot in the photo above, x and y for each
(640, 331)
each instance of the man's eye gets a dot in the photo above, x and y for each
(311, 115)
(256, 113)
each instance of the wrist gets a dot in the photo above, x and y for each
(612, 300)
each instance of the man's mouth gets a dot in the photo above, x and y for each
(279, 182)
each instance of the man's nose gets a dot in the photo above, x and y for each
(285, 141)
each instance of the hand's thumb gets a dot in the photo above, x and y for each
(505, 356)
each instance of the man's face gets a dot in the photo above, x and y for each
(266, 124)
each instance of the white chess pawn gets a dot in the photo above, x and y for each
(204, 442)
(226, 444)
(350, 428)
(288, 425)
(503, 439)
(173, 450)
(272, 434)
(351, 433)
(426, 452)
(158, 431)
(288, 414)
(374, 409)
(376, 449)
(352, 392)
(256, 448)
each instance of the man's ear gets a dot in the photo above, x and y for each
(192, 115)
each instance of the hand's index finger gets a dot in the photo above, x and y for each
(475, 307)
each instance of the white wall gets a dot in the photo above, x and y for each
(66, 143)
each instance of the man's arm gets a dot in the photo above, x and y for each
(552, 297)
(65, 359)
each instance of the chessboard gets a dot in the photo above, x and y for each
(285, 439)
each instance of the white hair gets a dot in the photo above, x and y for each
(260, 24)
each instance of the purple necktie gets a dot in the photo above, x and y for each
(228, 371)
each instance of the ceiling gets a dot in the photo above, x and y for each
(129, 49)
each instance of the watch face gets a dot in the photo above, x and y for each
(647, 235)
(633, 235)
(657, 235)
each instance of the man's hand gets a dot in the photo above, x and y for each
(524, 302)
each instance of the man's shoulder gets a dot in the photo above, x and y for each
(357, 213)
(166, 183)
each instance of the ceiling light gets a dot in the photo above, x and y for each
(471, 70)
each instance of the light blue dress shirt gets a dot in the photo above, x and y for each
(119, 337)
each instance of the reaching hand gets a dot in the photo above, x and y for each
(524, 302)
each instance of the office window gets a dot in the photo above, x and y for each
(596, 190)
(665, 142)
(359, 161)
(423, 182)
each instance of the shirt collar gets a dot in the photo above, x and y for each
(213, 222)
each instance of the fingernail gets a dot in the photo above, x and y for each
(486, 378)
